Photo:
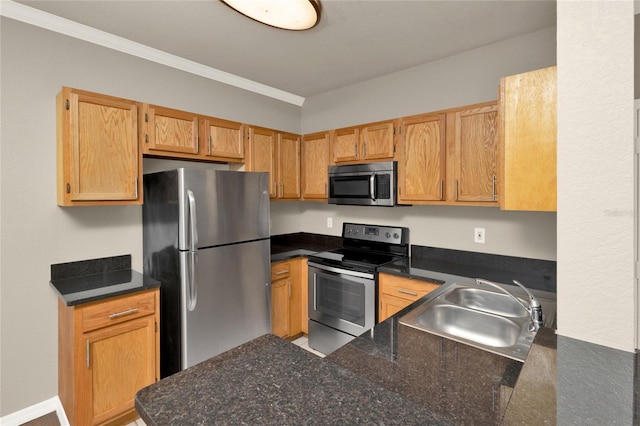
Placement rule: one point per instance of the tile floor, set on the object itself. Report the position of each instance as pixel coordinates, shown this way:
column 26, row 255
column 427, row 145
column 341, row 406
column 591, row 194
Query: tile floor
column 303, row 342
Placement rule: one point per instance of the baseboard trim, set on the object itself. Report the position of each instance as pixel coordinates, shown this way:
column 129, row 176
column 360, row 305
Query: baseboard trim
column 35, row 411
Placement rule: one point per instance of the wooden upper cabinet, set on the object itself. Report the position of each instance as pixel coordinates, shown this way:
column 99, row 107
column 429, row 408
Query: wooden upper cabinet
column 314, row 157
column 168, row 131
column 262, row 155
column 476, row 154
column 377, row 141
column 421, row 159
column 98, row 159
column 222, row 139
column 345, row 146
column 370, row 142
column 288, row 156
column 528, row 132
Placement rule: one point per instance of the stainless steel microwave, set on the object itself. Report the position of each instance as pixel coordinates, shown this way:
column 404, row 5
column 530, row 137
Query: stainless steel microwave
column 369, row 184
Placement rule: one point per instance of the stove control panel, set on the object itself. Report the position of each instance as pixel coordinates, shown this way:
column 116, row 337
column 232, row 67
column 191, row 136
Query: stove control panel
column 382, row 234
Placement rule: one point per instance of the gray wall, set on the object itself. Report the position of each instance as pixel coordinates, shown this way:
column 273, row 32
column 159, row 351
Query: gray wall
column 35, row 233
column 463, row 79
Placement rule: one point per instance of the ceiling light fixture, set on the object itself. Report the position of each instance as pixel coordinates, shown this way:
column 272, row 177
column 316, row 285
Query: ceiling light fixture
column 294, row 15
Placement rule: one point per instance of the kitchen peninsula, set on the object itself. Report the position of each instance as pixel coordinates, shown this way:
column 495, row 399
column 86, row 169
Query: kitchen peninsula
column 373, row 379
column 272, row 381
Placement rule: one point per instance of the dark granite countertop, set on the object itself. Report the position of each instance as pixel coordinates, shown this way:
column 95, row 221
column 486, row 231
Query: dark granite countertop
column 96, row 279
column 272, row 381
column 301, row 244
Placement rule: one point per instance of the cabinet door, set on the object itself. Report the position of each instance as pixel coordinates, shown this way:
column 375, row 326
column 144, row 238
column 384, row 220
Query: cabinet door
column 476, row 154
column 315, row 165
column 97, row 149
column 280, row 294
column 222, row 139
column 304, row 295
column 262, row 147
column 421, row 162
column 390, row 305
column 288, row 154
column 118, row 364
column 295, row 300
column 170, row 131
column 528, row 141
column 377, row 141
column 345, row 145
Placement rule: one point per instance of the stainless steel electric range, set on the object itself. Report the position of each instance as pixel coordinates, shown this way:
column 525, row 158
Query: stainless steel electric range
column 342, row 283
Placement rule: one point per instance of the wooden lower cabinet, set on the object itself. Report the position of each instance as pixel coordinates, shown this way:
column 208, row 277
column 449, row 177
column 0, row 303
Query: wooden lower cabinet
column 396, row 293
column 289, row 298
column 107, row 351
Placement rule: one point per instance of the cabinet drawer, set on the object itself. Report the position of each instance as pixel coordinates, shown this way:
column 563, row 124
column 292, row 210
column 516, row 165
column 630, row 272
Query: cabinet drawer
column 280, row 270
column 117, row 310
column 405, row 288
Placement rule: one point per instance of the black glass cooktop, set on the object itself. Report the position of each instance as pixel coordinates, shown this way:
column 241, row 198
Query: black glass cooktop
column 358, row 260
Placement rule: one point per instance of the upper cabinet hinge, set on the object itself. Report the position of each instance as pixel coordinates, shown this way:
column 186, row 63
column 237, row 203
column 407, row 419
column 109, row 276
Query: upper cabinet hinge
column 67, row 104
column 155, row 323
column 146, row 117
column 68, row 188
column 146, row 138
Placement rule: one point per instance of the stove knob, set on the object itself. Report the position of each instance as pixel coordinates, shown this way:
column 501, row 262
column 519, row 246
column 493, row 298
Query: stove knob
column 355, row 232
column 388, row 235
column 396, row 236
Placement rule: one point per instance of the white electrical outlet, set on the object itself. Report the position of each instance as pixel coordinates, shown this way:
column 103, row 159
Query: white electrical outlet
column 478, row 235
column 329, row 222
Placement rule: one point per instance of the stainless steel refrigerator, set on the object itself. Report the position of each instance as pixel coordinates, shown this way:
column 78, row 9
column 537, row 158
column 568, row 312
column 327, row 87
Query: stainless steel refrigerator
column 206, row 239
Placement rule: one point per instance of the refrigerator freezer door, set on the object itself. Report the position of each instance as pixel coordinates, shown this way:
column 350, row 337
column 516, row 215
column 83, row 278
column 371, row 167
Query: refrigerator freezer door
column 230, row 206
column 233, row 299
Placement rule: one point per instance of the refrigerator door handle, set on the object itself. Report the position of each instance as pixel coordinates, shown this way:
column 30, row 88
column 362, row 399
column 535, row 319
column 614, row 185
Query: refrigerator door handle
column 192, row 284
column 193, row 222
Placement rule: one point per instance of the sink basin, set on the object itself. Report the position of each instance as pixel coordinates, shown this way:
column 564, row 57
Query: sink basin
column 486, row 319
column 486, row 301
column 483, row 328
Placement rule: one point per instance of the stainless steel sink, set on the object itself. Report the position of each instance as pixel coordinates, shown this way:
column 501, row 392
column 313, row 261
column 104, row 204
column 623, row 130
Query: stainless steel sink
column 490, row 330
column 486, row 301
column 482, row 318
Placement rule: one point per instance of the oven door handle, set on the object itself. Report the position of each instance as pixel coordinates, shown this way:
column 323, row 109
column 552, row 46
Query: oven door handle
column 341, row 271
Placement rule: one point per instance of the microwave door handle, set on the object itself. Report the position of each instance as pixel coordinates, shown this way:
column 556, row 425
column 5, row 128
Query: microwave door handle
column 372, row 187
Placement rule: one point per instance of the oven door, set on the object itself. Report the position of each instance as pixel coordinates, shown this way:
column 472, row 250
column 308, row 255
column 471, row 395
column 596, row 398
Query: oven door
column 342, row 299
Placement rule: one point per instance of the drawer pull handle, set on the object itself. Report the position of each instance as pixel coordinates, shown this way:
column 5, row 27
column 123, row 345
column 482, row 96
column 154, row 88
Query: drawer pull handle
column 409, row 292
column 123, row 313
column 286, row 271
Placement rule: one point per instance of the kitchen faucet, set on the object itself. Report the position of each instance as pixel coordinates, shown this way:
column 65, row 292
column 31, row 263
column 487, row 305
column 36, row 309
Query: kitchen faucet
column 534, row 308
